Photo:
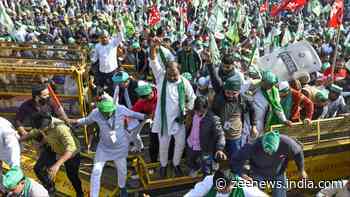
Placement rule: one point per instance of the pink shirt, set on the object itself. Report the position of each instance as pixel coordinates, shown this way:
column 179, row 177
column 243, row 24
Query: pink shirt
column 193, row 139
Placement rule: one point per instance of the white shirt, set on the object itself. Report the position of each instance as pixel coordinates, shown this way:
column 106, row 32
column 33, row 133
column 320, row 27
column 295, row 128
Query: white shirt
column 339, row 189
column 172, row 100
column 9, row 146
column 114, row 142
column 107, row 54
column 202, row 188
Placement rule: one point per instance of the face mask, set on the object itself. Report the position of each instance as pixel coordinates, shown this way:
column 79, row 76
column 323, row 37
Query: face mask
column 44, row 101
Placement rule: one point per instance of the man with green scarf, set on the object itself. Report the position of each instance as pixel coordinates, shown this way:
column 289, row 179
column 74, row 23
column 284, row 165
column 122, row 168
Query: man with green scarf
column 222, row 184
column 175, row 98
column 16, row 184
column 268, row 157
column 189, row 59
column 267, row 102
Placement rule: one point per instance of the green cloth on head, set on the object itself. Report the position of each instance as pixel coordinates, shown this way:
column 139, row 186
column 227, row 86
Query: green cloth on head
column 182, row 97
column 11, row 179
column 322, row 96
column 269, row 77
column 335, row 88
column 325, row 66
column 234, row 85
column 71, row 40
column 270, row 141
column 144, row 90
column 120, row 77
column 187, row 76
column 106, row 106
column 135, row 45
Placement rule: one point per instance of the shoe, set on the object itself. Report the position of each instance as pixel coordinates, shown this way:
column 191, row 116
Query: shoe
column 193, row 173
column 177, row 170
column 162, row 172
column 123, row 192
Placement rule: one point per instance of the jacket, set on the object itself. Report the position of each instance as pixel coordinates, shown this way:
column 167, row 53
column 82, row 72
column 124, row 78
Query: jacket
column 265, row 165
column 131, row 91
column 209, row 129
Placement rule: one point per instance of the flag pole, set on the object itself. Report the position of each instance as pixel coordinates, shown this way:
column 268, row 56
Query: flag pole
column 335, row 54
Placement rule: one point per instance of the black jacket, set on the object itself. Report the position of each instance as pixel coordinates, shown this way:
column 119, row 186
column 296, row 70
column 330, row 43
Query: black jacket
column 266, row 165
column 131, row 91
column 211, row 134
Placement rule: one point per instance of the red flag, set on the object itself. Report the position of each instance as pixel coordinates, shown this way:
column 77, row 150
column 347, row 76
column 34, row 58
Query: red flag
column 290, row 5
column 264, row 7
column 337, row 14
column 154, row 16
column 295, row 5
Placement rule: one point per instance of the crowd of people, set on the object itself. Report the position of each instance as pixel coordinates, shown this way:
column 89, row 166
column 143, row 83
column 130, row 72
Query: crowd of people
column 194, row 78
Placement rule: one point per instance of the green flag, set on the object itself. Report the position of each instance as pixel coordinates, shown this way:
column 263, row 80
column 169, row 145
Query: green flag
column 204, row 4
column 287, row 37
column 214, row 51
column 129, row 26
column 254, row 56
column 216, row 19
column 267, row 43
column 247, row 27
column 233, row 34
column 260, row 27
column 5, row 20
column 326, row 9
column 316, row 7
column 182, row 30
column 300, row 31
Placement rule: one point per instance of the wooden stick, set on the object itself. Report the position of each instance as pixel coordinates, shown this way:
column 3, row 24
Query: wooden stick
column 335, row 54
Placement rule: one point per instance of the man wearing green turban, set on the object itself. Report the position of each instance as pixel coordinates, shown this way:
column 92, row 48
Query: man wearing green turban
column 125, row 86
column 267, row 102
column 114, row 141
column 146, row 104
column 229, row 105
column 16, row 184
column 268, row 157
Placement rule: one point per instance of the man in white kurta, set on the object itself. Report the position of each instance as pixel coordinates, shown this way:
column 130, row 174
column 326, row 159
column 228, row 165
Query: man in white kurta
column 114, row 141
column 10, row 151
column 202, row 189
column 172, row 110
column 339, row 188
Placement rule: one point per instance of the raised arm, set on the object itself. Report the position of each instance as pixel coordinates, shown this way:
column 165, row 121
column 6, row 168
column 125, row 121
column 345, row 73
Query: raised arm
column 157, row 69
column 216, row 81
column 117, row 39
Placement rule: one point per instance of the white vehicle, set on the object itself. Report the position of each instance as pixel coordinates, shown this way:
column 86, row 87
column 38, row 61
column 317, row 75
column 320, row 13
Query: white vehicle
column 291, row 61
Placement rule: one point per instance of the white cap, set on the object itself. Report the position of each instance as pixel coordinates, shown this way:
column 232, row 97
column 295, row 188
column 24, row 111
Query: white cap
column 283, row 85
